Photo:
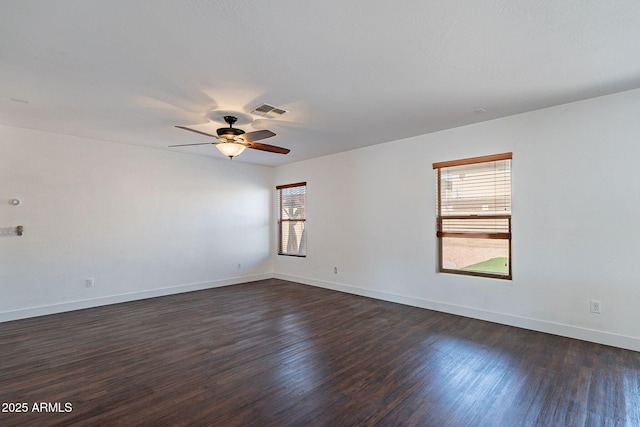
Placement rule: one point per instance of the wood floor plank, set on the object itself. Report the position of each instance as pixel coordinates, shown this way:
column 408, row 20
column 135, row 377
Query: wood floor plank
column 277, row 353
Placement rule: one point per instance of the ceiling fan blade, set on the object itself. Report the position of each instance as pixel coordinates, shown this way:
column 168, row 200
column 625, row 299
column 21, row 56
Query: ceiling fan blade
column 267, row 147
column 197, row 131
column 258, row 135
column 201, row 143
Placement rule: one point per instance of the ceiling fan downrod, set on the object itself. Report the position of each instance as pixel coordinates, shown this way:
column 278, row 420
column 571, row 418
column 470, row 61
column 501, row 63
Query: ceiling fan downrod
column 230, row 120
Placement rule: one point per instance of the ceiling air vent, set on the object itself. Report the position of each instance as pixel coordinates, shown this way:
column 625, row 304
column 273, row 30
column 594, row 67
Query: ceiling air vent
column 268, row 111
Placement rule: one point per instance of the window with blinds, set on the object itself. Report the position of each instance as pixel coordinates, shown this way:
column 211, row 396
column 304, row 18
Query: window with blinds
column 474, row 216
column 292, row 237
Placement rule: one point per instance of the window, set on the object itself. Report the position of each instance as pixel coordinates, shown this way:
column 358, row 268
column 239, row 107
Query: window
column 474, row 216
column 292, row 237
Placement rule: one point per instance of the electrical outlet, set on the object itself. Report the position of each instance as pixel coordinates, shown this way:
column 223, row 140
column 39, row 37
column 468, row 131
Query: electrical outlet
column 595, row 306
column 239, row 266
column 335, row 270
column 89, row 282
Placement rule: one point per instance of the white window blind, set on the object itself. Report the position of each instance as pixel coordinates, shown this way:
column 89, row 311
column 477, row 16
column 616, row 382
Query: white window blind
column 292, row 238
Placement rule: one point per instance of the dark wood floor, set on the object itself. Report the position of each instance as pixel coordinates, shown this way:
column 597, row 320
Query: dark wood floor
column 276, row 353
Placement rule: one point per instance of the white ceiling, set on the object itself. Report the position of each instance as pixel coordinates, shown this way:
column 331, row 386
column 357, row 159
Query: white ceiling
column 352, row 73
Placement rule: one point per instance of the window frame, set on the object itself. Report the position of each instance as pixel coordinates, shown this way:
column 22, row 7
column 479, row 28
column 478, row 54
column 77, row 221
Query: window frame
column 440, row 234
column 279, row 189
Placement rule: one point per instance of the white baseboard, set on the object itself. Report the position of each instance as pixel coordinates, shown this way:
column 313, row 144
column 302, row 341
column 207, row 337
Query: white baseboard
column 115, row 299
column 585, row 334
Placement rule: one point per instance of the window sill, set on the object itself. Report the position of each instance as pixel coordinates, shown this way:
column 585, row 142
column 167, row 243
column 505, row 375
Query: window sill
column 475, row 273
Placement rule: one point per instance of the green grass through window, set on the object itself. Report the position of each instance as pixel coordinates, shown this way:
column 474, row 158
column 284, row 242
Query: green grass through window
column 498, row 265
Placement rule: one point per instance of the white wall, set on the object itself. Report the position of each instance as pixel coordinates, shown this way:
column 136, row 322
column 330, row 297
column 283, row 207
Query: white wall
column 141, row 222
column 576, row 200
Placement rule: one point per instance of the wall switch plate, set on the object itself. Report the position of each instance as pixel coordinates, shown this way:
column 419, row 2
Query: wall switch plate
column 89, row 282
column 595, row 306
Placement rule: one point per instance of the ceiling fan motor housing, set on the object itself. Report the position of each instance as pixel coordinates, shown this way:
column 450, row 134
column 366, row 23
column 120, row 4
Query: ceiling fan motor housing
column 230, row 130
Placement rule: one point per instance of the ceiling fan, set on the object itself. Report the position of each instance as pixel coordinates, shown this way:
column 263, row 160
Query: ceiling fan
column 232, row 141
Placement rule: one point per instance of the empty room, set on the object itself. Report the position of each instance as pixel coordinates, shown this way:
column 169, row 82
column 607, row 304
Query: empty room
column 363, row 213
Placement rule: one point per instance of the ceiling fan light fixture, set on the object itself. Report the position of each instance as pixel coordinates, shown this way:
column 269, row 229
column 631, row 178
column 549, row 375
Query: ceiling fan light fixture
column 230, row 149
column 232, row 142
